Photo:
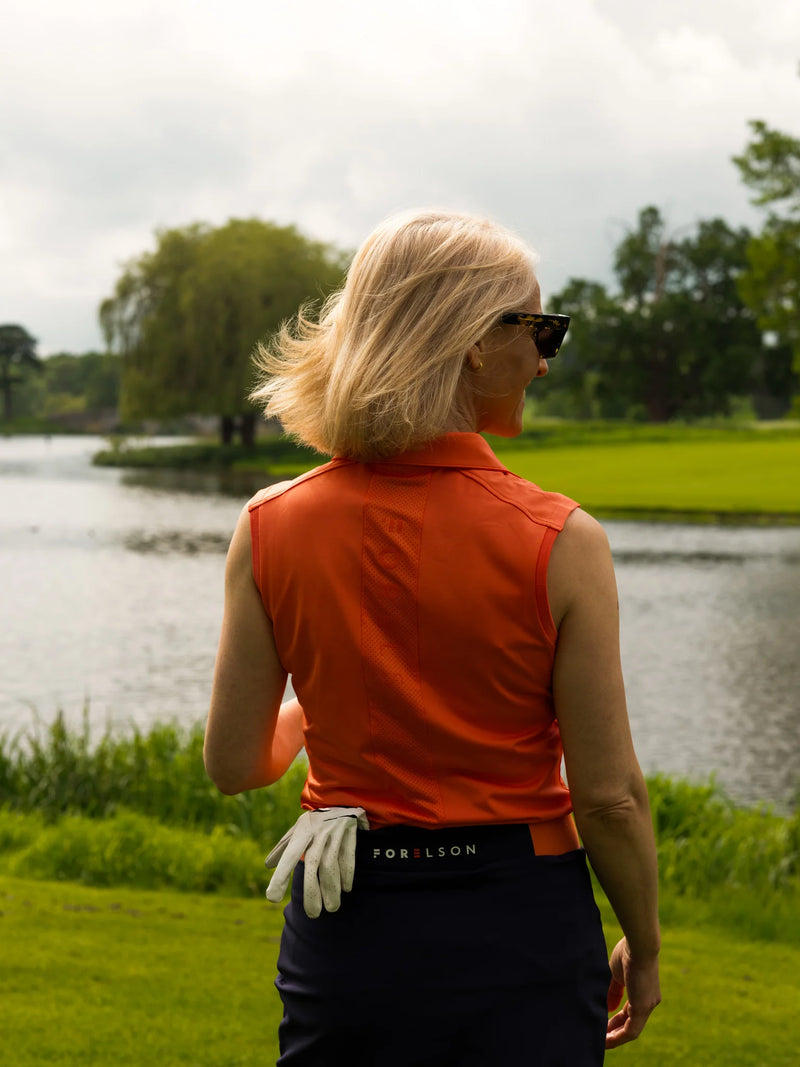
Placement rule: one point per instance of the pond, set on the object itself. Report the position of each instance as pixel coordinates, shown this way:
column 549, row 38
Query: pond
column 112, row 588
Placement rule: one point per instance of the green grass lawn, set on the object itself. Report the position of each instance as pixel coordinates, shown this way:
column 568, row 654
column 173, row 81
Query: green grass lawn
column 95, row 977
column 754, row 476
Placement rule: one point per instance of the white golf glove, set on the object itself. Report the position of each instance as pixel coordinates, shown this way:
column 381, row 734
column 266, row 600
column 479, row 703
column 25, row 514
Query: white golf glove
column 328, row 839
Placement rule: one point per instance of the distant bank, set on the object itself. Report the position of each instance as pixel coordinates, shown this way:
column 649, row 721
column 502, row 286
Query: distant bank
column 680, row 473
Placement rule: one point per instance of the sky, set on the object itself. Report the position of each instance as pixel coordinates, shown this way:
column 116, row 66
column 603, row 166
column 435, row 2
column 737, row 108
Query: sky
column 560, row 119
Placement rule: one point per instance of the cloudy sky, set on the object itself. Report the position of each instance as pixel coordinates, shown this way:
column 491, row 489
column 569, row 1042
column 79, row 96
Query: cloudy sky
column 560, row 118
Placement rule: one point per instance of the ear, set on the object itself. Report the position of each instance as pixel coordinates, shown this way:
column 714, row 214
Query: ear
column 474, row 357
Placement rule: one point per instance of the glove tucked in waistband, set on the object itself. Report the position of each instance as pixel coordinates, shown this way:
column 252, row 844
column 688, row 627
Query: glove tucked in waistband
column 327, row 836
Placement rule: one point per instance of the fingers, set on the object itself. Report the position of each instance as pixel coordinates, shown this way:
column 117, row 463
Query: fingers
column 616, row 991
column 625, row 1026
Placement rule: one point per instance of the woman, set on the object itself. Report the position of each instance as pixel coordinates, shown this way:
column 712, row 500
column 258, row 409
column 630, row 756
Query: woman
column 451, row 630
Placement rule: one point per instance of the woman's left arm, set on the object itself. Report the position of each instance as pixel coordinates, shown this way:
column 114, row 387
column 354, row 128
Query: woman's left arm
column 250, row 738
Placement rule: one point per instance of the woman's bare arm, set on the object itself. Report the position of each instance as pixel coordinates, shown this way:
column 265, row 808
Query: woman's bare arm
column 608, row 791
column 250, row 738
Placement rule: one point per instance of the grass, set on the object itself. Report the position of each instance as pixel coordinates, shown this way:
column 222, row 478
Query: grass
column 54, row 770
column 132, row 850
column 751, row 476
column 100, row 976
column 138, row 810
column 693, row 472
column 105, row 962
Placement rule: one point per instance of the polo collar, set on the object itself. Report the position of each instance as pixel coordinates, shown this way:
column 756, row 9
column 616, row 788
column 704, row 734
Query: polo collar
column 451, row 450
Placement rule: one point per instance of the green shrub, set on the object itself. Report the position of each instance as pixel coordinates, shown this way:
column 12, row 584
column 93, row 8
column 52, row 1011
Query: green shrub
column 134, row 850
column 17, row 831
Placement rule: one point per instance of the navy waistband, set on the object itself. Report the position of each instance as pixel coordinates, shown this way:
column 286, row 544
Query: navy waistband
column 448, row 848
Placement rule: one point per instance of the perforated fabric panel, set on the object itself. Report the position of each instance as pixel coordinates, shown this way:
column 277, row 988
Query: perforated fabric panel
column 391, row 551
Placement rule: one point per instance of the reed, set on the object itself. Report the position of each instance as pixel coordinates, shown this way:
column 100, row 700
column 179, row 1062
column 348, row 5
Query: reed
column 57, row 770
column 139, row 810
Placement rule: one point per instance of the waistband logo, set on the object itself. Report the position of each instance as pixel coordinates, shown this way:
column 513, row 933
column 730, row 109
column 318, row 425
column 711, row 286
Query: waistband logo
column 440, row 852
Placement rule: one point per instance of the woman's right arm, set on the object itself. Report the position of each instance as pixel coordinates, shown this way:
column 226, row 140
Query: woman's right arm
column 608, row 791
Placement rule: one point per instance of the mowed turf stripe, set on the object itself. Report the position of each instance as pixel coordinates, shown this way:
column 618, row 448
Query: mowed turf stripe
column 750, row 476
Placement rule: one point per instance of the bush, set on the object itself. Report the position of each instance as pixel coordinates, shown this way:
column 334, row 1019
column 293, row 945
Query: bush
column 134, row 850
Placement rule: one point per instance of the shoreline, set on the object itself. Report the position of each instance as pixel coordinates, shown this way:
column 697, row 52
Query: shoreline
column 737, row 477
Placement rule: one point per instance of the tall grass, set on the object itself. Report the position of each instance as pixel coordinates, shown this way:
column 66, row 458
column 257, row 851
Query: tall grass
column 719, row 864
column 705, row 840
column 56, row 770
column 139, row 810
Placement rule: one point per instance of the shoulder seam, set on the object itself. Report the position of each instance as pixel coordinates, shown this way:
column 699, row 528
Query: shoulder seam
column 541, row 520
column 307, row 476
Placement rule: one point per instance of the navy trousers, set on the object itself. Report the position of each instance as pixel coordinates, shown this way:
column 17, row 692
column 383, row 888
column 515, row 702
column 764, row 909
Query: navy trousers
column 455, row 948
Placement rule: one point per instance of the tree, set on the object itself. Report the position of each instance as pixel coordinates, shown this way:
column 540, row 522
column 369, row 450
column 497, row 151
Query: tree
column 770, row 166
column 86, row 382
column 589, row 349
column 187, row 316
column 677, row 340
column 17, row 356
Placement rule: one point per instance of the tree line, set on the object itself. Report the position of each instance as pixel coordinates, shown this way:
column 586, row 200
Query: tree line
column 697, row 324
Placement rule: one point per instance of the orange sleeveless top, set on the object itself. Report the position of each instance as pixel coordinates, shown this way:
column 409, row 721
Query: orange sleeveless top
column 409, row 604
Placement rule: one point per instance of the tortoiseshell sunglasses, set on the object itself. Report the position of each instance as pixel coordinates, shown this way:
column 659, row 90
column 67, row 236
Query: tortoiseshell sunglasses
column 547, row 331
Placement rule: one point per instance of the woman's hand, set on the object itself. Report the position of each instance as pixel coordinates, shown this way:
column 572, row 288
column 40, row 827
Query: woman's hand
column 640, row 979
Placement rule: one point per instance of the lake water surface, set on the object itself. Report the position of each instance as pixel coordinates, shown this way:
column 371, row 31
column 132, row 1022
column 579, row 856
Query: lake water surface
column 111, row 593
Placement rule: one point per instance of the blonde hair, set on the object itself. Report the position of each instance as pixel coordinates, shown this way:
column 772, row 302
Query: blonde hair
column 383, row 369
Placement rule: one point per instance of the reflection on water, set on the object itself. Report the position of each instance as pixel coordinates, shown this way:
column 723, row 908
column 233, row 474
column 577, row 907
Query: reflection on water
column 189, row 544
column 241, row 484
column 112, row 592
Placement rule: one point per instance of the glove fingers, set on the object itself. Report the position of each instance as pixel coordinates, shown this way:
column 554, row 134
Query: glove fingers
column 327, row 837
column 279, row 849
column 330, row 880
column 279, row 882
column 276, row 890
column 286, row 854
column 347, row 855
column 312, row 896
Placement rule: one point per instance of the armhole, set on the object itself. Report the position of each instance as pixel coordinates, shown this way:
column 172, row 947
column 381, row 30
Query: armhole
column 540, row 582
column 255, row 547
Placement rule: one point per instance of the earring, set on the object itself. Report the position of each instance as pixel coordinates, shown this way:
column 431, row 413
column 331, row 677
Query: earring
column 480, row 366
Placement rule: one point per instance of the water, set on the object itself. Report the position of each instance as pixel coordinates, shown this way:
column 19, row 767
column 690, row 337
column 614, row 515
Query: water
column 111, row 589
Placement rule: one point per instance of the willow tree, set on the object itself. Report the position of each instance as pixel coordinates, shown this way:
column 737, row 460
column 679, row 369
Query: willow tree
column 186, row 317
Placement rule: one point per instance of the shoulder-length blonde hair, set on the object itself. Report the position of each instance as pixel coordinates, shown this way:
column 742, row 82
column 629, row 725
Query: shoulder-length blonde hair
column 383, row 370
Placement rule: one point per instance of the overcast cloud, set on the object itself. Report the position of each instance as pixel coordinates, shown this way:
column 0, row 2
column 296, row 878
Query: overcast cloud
column 560, row 119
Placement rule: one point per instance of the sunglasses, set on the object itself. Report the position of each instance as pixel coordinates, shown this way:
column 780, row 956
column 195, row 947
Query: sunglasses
column 547, row 331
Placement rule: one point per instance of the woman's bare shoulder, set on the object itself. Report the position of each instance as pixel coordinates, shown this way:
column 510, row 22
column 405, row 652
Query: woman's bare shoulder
column 580, row 563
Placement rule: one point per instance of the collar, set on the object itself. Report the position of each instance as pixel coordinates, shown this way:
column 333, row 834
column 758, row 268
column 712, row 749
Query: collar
column 450, row 450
